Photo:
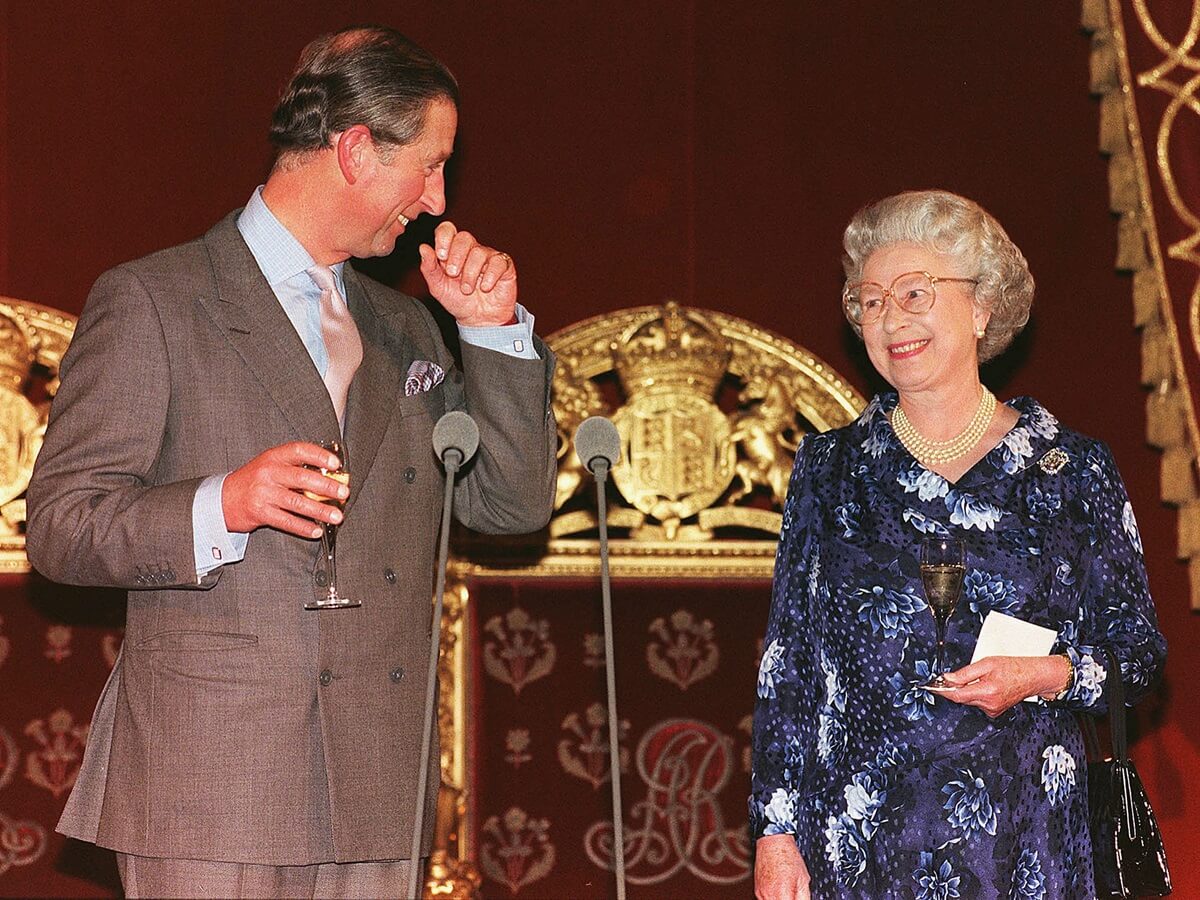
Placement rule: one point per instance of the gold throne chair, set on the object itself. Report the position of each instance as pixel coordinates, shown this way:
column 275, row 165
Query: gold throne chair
column 710, row 409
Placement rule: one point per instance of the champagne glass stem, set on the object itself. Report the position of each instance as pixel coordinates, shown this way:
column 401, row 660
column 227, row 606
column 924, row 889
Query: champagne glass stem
column 328, row 543
column 939, row 658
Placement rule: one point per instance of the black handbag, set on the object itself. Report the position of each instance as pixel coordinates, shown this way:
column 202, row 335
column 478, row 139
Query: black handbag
column 1127, row 849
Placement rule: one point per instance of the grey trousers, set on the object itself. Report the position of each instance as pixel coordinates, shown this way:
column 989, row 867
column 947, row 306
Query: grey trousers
column 148, row 876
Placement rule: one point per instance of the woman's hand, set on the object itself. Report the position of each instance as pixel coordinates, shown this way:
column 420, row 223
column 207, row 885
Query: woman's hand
column 779, row 869
column 998, row 683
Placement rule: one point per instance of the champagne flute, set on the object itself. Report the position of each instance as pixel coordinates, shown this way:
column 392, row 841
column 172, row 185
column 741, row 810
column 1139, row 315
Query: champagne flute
column 943, row 565
column 332, row 600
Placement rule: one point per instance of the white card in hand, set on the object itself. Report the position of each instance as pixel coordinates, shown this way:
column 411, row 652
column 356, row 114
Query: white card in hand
column 1003, row 635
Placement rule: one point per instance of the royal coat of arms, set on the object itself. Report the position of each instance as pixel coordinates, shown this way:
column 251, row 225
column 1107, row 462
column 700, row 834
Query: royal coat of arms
column 711, row 412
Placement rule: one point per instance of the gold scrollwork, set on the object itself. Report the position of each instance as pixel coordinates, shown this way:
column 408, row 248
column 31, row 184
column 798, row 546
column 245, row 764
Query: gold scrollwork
column 1170, row 408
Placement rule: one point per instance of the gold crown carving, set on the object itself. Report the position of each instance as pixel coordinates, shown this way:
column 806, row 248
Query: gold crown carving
column 677, row 349
column 18, row 347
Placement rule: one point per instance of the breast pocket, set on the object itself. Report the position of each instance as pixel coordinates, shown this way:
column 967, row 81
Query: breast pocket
column 430, row 403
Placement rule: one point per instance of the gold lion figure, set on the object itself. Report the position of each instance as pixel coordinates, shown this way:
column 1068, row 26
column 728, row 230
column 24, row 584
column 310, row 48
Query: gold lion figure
column 763, row 434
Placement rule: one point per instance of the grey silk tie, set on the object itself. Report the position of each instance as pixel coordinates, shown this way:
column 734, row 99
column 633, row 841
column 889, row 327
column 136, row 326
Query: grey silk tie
column 342, row 343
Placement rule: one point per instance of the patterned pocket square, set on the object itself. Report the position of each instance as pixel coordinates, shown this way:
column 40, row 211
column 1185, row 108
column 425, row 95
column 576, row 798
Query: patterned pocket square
column 422, row 375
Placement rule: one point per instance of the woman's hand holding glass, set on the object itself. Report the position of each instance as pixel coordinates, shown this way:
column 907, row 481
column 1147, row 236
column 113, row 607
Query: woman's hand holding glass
column 995, row 684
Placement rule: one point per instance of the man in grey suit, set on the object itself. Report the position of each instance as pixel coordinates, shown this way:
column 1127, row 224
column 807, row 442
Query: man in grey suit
column 245, row 745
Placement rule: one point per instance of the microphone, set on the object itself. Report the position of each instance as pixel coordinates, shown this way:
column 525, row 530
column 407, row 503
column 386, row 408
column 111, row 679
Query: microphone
column 455, row 440
column 598, row 446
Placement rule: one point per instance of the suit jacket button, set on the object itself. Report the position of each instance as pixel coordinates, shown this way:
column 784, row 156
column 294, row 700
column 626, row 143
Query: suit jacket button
column 410, row 474
column 389, row 575
column 325, row 677
column 396, row 674
column 322, row 579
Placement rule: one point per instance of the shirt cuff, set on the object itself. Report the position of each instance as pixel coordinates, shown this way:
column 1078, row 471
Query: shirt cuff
column 511, row 340
column 212, row 543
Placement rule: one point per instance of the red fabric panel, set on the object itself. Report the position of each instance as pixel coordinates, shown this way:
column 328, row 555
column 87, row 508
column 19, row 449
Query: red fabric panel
column 50, row 676
column 686, row 662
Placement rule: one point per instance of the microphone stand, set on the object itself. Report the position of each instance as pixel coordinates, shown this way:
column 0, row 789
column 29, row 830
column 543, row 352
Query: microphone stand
column 452, row 460
column 600, row 471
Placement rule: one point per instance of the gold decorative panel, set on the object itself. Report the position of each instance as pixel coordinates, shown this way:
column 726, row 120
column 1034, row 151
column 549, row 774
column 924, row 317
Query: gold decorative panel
column 1145, row 67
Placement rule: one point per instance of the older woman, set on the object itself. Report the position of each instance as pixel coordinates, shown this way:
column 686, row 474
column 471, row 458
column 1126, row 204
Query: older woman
column 867, row 782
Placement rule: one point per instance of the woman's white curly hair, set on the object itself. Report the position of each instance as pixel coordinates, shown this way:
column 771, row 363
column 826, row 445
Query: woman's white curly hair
column 962, row 229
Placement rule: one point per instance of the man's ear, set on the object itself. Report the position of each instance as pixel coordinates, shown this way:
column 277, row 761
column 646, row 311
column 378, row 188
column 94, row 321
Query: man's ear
column 355, row 151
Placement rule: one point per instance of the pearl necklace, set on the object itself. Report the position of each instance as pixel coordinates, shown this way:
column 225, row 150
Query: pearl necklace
column 929, row 452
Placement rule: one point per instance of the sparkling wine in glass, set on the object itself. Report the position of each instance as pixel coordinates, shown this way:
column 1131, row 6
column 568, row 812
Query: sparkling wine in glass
column 333, row 599
column 943, row 565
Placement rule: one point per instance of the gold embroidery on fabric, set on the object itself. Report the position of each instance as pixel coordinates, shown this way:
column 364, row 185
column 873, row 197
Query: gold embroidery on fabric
column 585, row 753
column 521, row 651
column 516, row 851
column 685, row 652
column 56, row 765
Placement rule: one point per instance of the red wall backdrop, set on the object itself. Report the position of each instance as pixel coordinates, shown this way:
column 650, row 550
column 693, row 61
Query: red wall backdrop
column 624, row 153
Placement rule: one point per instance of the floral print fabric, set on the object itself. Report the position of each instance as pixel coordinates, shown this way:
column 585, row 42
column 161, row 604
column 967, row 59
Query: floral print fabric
column 891, row 791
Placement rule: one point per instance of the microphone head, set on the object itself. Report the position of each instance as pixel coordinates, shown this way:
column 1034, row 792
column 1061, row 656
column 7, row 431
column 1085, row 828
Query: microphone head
column 597, row 438
column 456, row 431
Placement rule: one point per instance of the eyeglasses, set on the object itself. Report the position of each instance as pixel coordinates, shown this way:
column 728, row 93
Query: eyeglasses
column 863, row 301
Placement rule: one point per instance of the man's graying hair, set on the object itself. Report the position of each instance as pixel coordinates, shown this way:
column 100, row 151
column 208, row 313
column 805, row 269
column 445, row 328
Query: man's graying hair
column 368, row 76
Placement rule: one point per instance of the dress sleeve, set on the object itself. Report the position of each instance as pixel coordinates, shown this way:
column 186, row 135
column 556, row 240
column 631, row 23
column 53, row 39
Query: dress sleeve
column 1117, row 613
column 783, row 737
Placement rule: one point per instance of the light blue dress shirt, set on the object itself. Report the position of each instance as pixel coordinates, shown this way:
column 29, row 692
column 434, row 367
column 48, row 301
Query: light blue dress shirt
column 284, row 263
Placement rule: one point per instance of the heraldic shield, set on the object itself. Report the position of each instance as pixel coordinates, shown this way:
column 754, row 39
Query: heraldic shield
column 710, row 409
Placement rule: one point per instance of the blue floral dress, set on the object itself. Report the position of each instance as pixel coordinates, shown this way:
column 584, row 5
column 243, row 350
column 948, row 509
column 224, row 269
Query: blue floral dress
column 890, row 791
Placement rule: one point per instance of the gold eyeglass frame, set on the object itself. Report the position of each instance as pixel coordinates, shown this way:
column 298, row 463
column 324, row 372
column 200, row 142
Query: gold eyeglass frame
column 891, row 291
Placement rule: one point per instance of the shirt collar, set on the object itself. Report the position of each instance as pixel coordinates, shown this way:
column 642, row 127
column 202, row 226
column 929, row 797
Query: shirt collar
column 279, row 255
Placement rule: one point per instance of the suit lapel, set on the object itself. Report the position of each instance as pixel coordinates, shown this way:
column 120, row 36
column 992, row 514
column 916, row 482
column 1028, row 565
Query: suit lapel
column 379, row 381
column 247, row 310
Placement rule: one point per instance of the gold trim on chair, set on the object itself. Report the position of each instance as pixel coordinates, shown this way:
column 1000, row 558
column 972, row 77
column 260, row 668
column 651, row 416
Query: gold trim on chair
column 1171, row 423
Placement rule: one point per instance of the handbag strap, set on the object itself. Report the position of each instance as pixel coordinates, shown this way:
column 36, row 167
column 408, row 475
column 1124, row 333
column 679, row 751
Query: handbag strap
column 1114, row 692
column 1091, row 738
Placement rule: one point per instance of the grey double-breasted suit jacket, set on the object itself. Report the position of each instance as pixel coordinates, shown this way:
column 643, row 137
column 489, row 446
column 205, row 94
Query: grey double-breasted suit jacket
column 237, row 725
